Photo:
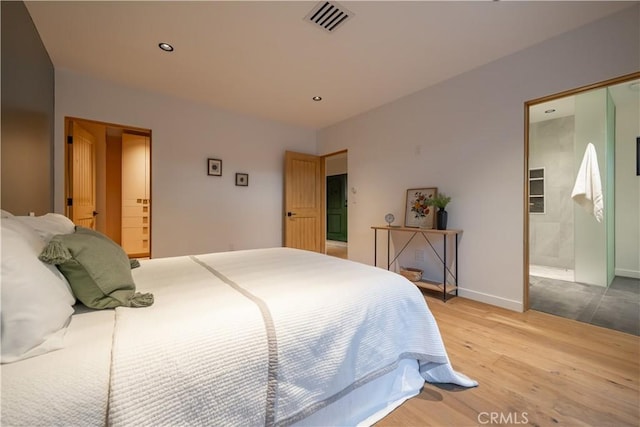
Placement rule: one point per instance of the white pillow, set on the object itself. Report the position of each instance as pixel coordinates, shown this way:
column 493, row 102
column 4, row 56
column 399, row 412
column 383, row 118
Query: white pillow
column 36, row 298
column 48, row 225
column 5, row 214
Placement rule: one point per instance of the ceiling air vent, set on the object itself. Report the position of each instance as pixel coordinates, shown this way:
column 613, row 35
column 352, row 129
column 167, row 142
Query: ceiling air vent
column 328, row 15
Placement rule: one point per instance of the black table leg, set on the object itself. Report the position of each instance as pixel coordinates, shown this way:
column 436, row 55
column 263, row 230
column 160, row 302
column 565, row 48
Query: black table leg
column 444, row 281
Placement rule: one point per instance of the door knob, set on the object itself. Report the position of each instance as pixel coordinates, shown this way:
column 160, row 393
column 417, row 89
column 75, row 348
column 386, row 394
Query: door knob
column 290, row 213
column 95, row 213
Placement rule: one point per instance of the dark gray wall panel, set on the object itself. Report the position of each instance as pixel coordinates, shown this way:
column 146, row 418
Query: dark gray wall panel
column 27, row 115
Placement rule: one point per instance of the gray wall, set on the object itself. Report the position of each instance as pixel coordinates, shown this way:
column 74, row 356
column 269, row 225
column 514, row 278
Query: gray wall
column 27, row 115
column 551, row 234
column 627, row 234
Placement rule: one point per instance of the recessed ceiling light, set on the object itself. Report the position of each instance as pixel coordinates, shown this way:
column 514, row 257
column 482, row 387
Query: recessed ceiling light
column 317, row 98
column 166, row 47
column 550, row 110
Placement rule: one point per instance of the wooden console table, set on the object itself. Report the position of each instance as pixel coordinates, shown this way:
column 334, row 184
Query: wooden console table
column 446, row 272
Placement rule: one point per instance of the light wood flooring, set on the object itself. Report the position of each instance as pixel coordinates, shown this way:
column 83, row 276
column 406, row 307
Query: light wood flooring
column 337, row 249
column 533, row 368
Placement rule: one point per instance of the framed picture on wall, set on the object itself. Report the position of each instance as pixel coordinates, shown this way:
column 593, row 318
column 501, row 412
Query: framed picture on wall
column 417, row 212
column 214, row 167
column 242, row 179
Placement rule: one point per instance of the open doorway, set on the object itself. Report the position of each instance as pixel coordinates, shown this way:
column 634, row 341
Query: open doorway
column 582, row 263
column 114, row 197
column 336, row 184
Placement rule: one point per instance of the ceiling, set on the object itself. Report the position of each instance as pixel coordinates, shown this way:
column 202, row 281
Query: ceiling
column 262, row 58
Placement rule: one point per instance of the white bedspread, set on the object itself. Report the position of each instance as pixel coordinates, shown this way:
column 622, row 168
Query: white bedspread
column 263, row 337
column 67, row 387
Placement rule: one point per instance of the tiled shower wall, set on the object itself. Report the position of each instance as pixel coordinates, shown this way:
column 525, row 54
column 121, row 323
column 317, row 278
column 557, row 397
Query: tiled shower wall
column 551, row 145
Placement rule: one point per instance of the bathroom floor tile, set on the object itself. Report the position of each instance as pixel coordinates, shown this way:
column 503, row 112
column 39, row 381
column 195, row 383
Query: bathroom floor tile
column 619, row 314
column 624, row 286
column 616, row 307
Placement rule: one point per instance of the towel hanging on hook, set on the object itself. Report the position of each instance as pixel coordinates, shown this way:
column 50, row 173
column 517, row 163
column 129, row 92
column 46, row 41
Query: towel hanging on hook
column 587, row 191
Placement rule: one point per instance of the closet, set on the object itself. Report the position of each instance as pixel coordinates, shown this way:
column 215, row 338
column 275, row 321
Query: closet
column 136, row 195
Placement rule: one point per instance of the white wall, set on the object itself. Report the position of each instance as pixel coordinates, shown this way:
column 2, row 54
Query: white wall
column 192, row 212
column 627, row 219
column 336, row 165
column 466, row 137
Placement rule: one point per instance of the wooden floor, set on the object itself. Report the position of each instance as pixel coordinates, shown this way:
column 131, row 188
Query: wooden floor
column 533, row 369
column 338, row 251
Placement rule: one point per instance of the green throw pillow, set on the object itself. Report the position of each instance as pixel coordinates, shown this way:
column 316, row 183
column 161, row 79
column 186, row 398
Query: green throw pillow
column 97, row 268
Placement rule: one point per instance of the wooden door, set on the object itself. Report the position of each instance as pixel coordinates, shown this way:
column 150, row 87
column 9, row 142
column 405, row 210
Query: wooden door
column 303, row 188
column 337, row 207
column 81, row 191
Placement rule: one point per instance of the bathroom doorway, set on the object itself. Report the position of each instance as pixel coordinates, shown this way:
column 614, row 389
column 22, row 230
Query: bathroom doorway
column 582, row 200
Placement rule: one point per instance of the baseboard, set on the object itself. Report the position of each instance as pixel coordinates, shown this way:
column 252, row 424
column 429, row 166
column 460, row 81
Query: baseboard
column 491, row 299
column 627, row 273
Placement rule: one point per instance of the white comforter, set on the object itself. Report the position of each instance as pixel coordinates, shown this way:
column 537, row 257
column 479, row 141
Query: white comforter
column 263, row 337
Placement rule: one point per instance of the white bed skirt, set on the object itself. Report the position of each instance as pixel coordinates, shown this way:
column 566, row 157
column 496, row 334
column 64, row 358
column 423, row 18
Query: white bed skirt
column 370, row 403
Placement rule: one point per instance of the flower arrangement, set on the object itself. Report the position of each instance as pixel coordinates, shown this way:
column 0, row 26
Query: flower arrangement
column 421, row 204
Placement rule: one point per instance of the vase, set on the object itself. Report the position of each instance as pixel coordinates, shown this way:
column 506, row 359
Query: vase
column 441, row 219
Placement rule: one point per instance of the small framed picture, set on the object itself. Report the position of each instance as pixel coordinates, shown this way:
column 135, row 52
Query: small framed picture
column 214, row 167
column 418, row 212
column 242, row 179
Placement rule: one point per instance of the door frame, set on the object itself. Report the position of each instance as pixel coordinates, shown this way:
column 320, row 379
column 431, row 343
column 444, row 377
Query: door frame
column 527, row 105
column 324, row 158
column 100, row 192
column 321, row 188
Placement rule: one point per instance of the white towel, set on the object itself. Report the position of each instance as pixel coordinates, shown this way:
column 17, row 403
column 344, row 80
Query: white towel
column 587, row 191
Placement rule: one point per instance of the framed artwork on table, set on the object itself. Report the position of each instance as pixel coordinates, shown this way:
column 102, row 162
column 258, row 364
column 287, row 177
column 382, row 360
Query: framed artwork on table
column 418, row 213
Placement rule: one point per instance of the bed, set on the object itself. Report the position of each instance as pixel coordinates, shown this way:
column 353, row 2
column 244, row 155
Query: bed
column 272, row 336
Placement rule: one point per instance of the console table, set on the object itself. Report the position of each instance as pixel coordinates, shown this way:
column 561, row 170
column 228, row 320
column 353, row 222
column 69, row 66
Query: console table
column 425, row 233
